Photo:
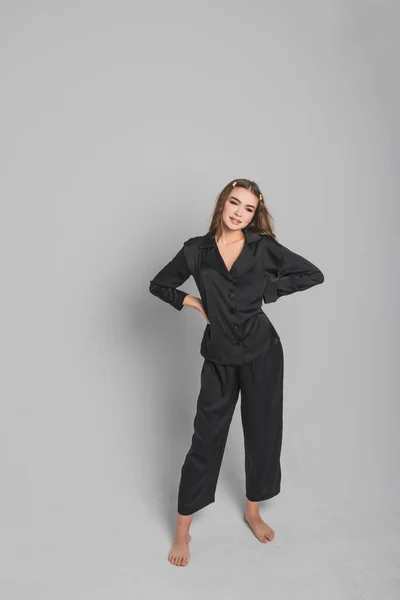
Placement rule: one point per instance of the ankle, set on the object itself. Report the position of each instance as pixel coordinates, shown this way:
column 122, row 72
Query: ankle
column 252, row 508
column 182, row 536
column 182, row 530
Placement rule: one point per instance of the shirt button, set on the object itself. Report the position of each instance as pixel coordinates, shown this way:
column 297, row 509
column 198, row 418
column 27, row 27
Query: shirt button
column 231, row 295
column 238, row 343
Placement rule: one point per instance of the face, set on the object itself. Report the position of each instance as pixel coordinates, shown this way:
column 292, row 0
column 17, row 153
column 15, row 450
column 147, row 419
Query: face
column 239, row 208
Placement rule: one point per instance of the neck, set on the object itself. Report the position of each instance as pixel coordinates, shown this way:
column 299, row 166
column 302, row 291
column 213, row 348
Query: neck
column 229, row 236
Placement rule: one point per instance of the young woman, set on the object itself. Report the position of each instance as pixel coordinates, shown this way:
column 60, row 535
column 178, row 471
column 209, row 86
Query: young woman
column 236, row 264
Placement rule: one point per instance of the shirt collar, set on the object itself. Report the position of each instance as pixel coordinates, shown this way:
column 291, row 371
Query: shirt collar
column 208, row 239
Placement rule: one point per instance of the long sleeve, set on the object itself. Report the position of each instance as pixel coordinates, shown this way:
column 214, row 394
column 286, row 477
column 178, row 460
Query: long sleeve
column 295, row 274
column 164, row 285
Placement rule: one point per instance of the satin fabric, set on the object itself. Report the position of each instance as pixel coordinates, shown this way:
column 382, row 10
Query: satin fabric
column 260, row 385
column 239, row 331
column 242, row 355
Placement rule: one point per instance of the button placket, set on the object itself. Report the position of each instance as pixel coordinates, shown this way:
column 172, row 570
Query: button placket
column 233, row 310
column 237, row 333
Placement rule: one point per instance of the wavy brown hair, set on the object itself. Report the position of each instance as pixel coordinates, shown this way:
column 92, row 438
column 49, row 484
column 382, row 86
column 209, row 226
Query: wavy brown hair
column 262, row 221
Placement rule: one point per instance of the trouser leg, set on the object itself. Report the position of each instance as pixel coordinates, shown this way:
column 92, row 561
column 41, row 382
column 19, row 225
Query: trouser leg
column 216, row 403
column 261, row 383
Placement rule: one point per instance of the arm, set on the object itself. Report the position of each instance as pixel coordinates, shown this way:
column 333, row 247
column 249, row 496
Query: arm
column 165, row 283
column 295, row 274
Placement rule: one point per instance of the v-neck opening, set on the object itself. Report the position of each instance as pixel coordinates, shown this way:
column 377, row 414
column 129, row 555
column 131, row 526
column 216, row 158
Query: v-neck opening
column 229, row 271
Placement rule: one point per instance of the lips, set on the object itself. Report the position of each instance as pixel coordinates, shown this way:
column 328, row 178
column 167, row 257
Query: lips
column 234, row 221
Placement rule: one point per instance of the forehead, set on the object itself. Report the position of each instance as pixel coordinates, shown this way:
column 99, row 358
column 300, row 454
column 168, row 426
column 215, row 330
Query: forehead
column 243, row 196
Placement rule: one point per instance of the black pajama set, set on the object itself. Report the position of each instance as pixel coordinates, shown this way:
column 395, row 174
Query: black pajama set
column 242, row 352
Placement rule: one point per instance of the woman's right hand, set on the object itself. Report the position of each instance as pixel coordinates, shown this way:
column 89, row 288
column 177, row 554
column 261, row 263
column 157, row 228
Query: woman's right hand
column 197, row 304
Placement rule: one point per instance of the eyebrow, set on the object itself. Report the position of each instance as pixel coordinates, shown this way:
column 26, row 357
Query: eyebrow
column 251, row 205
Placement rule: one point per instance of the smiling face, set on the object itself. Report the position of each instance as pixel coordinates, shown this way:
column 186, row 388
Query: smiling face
column 239, row 208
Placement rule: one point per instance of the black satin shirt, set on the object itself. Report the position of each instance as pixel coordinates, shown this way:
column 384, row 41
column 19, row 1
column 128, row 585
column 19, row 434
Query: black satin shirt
column 239, row 330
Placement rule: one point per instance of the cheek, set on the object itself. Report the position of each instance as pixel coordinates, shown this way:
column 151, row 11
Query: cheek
column 247, row 217
column 227, row 209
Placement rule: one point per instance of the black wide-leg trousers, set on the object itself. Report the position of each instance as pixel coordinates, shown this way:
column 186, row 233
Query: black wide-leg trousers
column 261, row 388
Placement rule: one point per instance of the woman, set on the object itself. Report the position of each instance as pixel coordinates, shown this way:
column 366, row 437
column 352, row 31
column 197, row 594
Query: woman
column 236, row 264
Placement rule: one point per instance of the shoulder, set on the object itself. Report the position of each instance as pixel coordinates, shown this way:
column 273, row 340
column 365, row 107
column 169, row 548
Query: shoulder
column 271, row 247
column 193, row 242
column 268, row 241
column 191, row 251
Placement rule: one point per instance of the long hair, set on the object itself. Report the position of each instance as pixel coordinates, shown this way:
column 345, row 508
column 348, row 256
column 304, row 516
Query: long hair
column 262, row 221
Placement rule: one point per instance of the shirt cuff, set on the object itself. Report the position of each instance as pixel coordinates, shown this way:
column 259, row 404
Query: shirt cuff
column 271, row 290
column 178, row 300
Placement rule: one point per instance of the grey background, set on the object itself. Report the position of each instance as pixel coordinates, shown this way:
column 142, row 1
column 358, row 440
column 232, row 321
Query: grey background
column 120, row 123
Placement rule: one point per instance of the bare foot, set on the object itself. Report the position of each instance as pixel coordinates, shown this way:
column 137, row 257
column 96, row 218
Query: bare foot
column 261, row 530
column 179, row 554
